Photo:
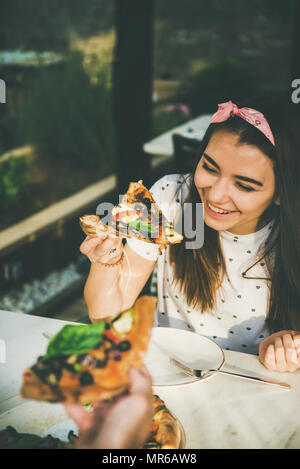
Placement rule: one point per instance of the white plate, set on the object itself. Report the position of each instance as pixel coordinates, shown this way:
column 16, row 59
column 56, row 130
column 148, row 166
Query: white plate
column 38, row 418
column 193, row 350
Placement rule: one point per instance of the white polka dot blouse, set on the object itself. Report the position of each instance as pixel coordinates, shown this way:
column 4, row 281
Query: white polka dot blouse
column 238, row 322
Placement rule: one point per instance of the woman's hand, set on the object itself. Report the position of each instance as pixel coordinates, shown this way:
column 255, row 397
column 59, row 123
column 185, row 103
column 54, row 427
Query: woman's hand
column 281, row 351
column 107, row 249
column 122, row 424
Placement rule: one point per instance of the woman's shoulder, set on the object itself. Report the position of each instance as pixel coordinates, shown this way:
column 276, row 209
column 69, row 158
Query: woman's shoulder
column 171, row 186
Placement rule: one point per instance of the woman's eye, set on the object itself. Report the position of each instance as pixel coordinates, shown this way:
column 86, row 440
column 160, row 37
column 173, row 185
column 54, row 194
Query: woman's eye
column 239, row 185
column 208, row 168
column 245, row 188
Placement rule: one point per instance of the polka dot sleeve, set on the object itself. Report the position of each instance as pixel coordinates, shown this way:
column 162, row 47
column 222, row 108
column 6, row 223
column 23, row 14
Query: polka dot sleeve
column 163, row 192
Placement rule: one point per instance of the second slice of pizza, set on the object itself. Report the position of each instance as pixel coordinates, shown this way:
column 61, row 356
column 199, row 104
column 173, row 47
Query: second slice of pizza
column 136, row 216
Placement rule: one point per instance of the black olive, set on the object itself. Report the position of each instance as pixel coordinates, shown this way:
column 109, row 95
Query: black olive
column 56, row 364
column 68, row 366
column 101, row 363
column 124, row 346
column 86, row 378
column 58, row 373
column 42, row 374
column 114, row 355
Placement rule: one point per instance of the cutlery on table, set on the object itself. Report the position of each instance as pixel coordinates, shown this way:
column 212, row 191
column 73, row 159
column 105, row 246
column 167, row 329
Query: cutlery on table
column 202, row 373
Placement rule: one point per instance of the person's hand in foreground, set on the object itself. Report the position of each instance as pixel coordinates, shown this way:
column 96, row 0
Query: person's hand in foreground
column 281, row 351
column 122, row 424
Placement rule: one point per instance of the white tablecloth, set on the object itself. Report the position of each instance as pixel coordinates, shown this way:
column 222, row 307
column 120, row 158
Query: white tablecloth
column 219, row 412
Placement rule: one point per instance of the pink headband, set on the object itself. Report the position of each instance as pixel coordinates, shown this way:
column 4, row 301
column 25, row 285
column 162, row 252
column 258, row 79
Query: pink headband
column 252, row 116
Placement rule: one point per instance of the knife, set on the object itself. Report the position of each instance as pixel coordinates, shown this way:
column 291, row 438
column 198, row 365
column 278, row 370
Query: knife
column 202, row 373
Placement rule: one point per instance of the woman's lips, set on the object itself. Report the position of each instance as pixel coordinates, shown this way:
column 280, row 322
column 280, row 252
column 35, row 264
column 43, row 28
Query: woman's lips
column 210, row 209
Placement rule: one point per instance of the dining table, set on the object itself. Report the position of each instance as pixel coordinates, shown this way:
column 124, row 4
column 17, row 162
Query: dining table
column 162, row 145
column 220, row 412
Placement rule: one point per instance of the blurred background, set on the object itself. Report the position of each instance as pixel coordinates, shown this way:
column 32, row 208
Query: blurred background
column 87, row 85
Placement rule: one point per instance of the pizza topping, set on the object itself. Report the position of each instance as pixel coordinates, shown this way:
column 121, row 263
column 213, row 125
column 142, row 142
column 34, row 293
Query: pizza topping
column 159, row 411
column 152, row 444
column 125, row 214
column 89, row 361
column 52, row 379
column 77, row 367
column 124, row 346
column 123, row 323
column 115, row 355
column 75, row 339
column 86, row 378
column 112, row 336
column 143, row 227
column 71, row 360
column 101, row 363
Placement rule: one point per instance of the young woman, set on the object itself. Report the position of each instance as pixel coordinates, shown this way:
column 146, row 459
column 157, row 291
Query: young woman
column 242, row 287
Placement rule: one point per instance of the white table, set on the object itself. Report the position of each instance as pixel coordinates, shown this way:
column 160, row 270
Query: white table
column 163, row 145
column 219, row 412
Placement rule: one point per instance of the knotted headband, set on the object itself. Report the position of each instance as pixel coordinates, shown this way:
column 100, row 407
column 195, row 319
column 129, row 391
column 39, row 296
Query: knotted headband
column 252, row 116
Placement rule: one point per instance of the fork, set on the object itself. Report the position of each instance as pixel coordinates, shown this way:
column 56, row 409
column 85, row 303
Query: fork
column 202, row 373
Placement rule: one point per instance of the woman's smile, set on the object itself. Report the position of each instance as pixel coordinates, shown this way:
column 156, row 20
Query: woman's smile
column 236, row 183
column 218, row 212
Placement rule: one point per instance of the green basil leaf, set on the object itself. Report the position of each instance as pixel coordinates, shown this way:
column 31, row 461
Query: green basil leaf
column 75, row 339
column 143, row 226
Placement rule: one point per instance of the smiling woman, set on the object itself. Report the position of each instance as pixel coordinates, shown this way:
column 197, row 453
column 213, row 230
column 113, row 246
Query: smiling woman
column 247, row 185
column 243, row 284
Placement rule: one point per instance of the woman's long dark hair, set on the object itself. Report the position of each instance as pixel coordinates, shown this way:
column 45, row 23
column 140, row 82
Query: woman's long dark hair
column 200, row 272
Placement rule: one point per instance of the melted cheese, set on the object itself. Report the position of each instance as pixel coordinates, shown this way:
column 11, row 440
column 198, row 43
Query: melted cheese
column 124, row 324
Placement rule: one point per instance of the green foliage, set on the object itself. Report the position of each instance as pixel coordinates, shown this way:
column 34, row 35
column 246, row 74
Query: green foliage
column 13, row 181
column 67, row 113
column 45, row 24
column 220, row 81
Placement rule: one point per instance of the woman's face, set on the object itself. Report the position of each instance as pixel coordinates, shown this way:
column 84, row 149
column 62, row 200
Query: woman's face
column 236, row 183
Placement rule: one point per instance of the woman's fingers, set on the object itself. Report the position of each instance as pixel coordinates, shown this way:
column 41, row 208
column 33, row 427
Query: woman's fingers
column 296, row 340
column 89, row 244
column 280, row 358
column 290, row 351
column 99, row 249
column 140, row 381
column 281, row 353
column 80, row 415
column 269, row 358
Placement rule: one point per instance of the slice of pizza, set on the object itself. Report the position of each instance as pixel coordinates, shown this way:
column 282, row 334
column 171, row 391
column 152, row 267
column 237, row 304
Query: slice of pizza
column 165, row 432
column 90, row 362
column 136, row 216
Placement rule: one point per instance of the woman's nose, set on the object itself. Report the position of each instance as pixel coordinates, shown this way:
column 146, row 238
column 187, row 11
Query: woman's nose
column 219, row 191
